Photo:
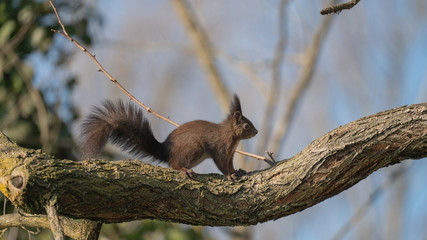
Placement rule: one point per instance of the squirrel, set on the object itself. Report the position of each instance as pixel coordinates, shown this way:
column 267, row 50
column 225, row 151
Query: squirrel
column 185, row 147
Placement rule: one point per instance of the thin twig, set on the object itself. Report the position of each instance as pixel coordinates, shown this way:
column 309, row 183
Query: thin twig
column 338, row 8
column 57, row 16
column 4, row 204
column 114, row 80
column 102, row 69
column 31, row 232
column 265, row 159
column 3, row 231
column 270, row 161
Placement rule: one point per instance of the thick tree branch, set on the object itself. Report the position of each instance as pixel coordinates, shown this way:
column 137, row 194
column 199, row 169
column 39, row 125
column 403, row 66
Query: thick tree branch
column 131, row 190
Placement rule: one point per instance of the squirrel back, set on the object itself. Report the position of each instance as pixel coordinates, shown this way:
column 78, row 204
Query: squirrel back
column 184, row 148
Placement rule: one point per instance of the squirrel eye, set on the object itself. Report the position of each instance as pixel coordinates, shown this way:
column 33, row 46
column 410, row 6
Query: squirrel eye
column 246, row 126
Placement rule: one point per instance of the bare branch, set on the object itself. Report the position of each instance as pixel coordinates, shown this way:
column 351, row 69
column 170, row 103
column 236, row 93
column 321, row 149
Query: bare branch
column 338, row 8
column 103, row 70
column 57, row 16
column 73, row 228
column 276, row 68
column 245, row 68
column 55, row 225
column 203, row 50
column 359, row 213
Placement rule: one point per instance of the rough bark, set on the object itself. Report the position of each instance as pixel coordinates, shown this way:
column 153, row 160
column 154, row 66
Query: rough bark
column 130, row 190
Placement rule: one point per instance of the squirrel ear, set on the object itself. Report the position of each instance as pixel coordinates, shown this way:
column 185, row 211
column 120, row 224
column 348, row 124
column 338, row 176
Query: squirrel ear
column 235, row 105
column 237, row 116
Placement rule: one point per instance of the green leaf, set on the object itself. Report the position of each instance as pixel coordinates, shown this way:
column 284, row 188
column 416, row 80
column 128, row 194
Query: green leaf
column 37, row 36
column 17, row 83
column 6, row 31
column 25, row 15
column 3, row 12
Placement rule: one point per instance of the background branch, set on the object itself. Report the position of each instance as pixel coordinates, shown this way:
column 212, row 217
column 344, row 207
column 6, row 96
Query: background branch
column 394, row 176
column 276, row 69
column 55, row 225
column 203, row 50
column 245, row 68
column 73, row 228
column 338, row 8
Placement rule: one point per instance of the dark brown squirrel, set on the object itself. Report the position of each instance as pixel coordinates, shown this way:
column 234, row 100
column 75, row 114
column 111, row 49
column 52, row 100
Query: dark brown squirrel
column 184, row 148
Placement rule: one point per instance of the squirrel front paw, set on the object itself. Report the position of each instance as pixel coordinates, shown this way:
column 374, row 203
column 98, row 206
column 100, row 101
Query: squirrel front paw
column 241, row 172
column 188, row 172
column 236, row 174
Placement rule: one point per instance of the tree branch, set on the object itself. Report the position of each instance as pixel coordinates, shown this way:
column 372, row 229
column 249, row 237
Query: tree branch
column 55, row 225
column 130, row 190
column 73, row 228
column 338, row 8
column 203, row 50
column 276, row 78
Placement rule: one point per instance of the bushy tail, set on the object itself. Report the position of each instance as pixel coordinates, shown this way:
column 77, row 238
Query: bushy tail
column 120, row 124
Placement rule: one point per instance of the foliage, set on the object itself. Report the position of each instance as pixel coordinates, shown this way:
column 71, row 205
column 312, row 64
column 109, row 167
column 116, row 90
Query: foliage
column 29, row 110
column 30, row 99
